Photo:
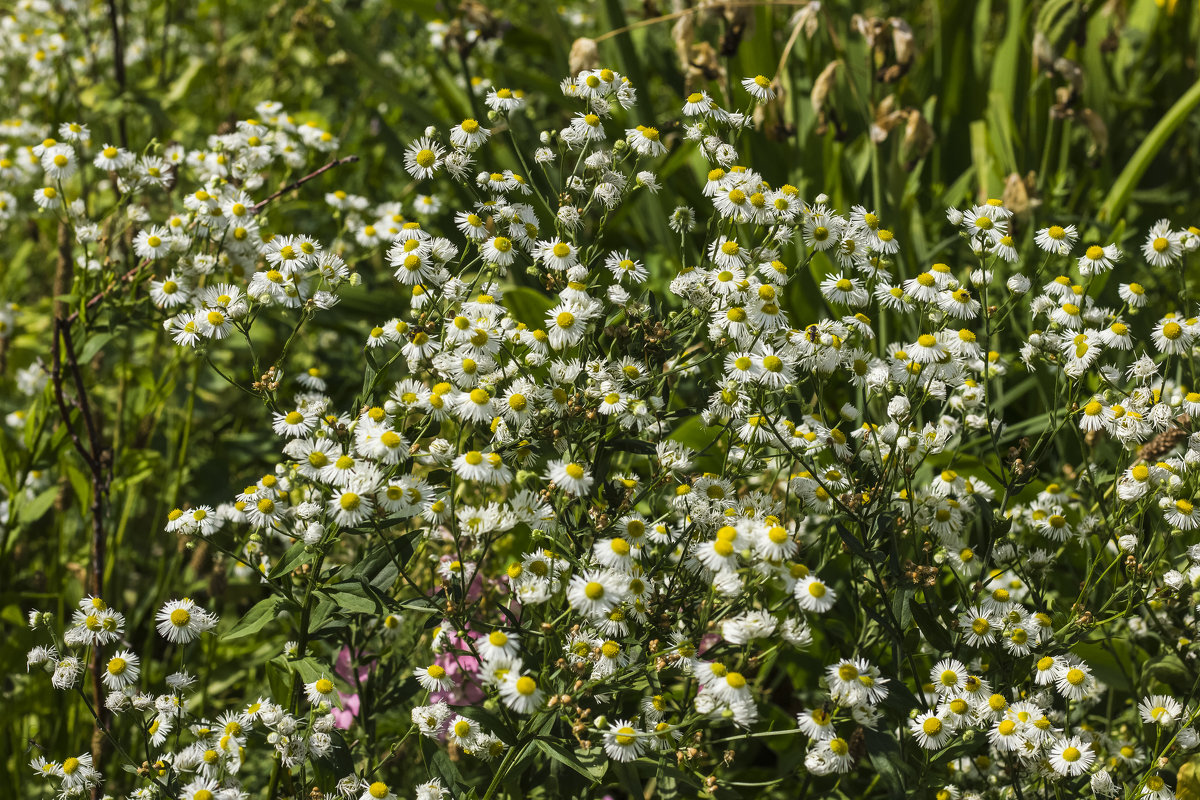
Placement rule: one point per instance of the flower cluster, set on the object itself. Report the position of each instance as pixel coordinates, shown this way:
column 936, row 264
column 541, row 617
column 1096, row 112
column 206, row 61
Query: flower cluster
column 590, row 499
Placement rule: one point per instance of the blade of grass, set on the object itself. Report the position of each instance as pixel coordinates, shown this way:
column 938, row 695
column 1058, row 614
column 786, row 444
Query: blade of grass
column 1127, row 181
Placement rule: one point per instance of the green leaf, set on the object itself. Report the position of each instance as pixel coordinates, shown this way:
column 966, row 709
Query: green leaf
column 1128, row 180
column 628, row 777
column 296, row 555
column 338, row 763
column 255, row 619
column 902, row 607
column 182, row 85
column 885, row 758
column 852, row 542
column 80, row 482
column 32, row 510
column 322, row 613
column 7, row 479
column 422, row 605
column 565, row 757
column 34, row 420
column 694, row 433
column 278, row 677
column 309, row 669
column 355, row 604
column 94, row 345
column 528, row 306
column 1168, row 669
column 447, row 770
column 934, row 632
column 594, row 760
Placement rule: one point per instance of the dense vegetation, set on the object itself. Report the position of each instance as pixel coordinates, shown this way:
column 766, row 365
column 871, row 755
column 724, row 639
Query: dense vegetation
column 518, row 399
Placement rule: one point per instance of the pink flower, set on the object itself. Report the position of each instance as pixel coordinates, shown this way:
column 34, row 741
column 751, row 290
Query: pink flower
column 344, row 669
column 462, row 670
column 344, row 717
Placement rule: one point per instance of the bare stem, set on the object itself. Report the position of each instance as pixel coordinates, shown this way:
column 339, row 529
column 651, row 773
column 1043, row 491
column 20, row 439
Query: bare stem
column 257, row 207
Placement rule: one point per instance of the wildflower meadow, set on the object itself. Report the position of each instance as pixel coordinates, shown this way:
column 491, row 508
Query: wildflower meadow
column 481, row 399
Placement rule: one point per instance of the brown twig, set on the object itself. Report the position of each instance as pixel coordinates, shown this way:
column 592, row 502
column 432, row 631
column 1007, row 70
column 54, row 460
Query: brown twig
column 96, row 298
column 92, row 455
column 298, row 183
column 62, row 285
